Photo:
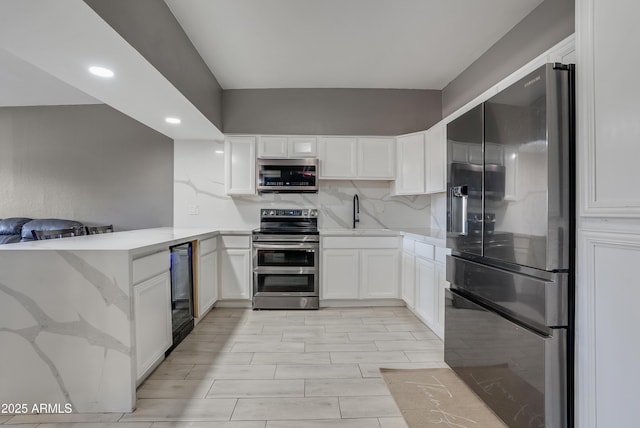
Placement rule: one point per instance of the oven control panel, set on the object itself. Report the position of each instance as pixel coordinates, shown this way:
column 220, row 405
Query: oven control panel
column 289, row 213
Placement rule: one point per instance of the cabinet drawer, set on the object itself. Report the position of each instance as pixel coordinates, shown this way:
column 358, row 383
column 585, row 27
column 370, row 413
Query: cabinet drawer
column 231, row 241
column 408, row 245
column 208, row 245
column 365, row 242
column 149, row 266
column 441, row 254
column 424, row 250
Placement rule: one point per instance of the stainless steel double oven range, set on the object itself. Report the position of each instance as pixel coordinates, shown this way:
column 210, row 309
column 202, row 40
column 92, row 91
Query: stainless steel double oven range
column 286, row 259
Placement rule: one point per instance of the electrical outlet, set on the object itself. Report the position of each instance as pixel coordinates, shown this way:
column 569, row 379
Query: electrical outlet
column 193, row 209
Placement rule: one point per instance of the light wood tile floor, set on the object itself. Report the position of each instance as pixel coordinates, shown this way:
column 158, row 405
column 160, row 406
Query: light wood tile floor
column 275, row 369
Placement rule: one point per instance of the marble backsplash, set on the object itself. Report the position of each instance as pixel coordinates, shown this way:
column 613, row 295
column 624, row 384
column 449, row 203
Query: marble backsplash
column 200, row 200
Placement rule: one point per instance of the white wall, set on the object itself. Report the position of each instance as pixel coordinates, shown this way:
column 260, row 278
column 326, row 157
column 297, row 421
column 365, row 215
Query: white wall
column 199, row 187
column 607, row 285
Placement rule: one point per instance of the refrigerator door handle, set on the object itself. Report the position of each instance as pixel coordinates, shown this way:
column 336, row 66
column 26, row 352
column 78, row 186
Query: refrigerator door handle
column 462, row 194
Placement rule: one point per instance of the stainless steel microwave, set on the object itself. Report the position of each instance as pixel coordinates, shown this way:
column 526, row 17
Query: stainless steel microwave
column 287, row 175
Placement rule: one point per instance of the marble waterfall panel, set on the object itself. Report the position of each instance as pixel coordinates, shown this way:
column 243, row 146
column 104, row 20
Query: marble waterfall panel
column 199, row 188
column 66, row 341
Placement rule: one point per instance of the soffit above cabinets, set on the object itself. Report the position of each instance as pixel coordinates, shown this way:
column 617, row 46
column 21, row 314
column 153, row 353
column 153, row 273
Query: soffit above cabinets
column 399, row 44
column 64, row 38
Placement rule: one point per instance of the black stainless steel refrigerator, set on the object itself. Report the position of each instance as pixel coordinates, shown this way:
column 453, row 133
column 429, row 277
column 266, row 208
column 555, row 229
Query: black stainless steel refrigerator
column 510, row 227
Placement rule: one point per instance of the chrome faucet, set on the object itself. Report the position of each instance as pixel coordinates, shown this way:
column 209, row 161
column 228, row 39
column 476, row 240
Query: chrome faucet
column 356, row 210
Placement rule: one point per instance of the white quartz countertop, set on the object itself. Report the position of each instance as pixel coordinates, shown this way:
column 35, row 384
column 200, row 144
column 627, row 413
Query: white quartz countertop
column 358, row 232
column 125, row 240
column 434, row 236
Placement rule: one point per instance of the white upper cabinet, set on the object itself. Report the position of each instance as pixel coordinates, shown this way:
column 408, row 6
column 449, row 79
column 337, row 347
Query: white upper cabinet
column 272, row 147
column 302, row 147
column 283, row 147
column 376, row 158
column 338, row 157
column 357, row 158
column 410, row 172
column 240, row 165
column 436, row 159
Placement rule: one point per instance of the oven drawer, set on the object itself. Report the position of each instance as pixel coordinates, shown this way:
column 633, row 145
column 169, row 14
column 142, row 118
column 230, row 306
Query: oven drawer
column 285, row 284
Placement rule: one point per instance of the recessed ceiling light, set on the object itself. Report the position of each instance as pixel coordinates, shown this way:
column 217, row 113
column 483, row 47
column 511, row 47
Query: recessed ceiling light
column 219, row 152
column 172, row 120
column 101, row 71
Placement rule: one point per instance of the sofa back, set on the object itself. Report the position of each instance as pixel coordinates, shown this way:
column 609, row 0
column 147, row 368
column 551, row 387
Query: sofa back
column 17, row 229
column 11, row 229
column 50, row 224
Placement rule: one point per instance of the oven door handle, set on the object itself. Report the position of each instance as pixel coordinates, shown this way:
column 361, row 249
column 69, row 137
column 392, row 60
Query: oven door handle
column 287, row 246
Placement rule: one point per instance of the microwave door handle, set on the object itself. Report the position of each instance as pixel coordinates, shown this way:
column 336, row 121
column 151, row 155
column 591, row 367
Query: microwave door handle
column 462, row 193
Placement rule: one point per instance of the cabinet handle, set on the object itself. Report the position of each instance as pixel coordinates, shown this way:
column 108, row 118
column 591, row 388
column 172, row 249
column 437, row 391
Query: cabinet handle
column 462, row 193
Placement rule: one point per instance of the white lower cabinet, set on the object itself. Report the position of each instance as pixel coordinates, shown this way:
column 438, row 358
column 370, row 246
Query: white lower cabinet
column 426, row 290
column 409, row 279
column 152, row 311
column 424, row 281
column 340, row 274
column 379, row 274
column 235, row 267
column 235, row 274
column 207, row 281
column 360, row 268
column 441, row 285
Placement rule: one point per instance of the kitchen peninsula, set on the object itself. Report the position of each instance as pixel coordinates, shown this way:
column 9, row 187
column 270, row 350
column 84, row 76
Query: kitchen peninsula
column 86, row 319
column 80, row 316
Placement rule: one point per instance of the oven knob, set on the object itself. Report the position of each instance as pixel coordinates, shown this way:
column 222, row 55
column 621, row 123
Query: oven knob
column 313, row 213
column 305, row 213
column 272, row 212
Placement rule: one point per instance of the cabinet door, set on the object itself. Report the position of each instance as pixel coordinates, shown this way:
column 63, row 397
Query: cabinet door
column 338, row 157
column 376, row 158
column 303, row 147
column 152, row 312
column 207, row 281
column 410, row 171
column 340, row 276
column 272, row 147
column 235, row 274
column 379, row 274
column 441, row 285
column 409, row 279
column 425, row 290
column 240, row 165
column 436, row 159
